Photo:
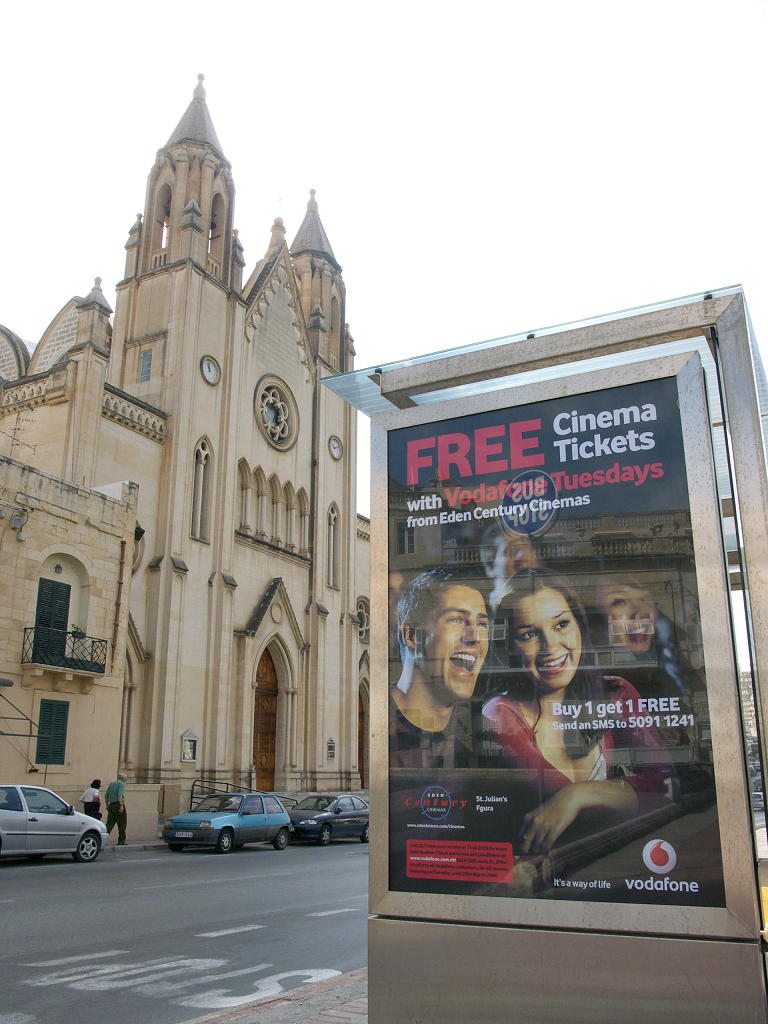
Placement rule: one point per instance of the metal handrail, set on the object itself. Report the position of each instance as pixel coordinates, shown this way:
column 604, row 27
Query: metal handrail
column 64, row 649
column 216, row 786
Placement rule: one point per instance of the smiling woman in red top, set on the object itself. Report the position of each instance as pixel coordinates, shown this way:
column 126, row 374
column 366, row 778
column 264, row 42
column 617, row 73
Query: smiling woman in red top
column 548, row 721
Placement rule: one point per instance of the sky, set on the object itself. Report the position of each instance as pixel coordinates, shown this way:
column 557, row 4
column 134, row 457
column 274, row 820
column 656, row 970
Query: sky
column 481, row 169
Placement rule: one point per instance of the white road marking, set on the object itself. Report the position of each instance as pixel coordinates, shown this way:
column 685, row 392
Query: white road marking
column 328, row 913
column 217, row 1000
column 230, row 931
column 75, row 959
column 114, row 976
column 166, row 989
column 164, row 978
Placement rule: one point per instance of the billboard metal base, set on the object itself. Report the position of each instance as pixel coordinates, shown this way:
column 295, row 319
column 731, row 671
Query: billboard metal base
column 437, row 973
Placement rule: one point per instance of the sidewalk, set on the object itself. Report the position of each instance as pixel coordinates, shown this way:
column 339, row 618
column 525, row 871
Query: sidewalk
column 341, row 1000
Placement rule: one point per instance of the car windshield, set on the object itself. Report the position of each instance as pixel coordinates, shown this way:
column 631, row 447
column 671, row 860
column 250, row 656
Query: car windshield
column 216, row 802
column 314, row 803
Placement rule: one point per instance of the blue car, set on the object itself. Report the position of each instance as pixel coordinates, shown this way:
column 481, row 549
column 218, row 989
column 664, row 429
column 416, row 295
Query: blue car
column 228, row 820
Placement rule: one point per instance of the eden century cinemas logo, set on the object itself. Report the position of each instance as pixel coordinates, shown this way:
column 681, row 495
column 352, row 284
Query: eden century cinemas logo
column 435, row 803
column 660, row 857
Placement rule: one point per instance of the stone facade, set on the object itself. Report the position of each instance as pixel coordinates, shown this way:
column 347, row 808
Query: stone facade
column 244, row 656
column 81, row 542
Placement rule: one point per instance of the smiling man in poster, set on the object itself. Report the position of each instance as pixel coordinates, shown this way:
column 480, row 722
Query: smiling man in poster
column 443, row 629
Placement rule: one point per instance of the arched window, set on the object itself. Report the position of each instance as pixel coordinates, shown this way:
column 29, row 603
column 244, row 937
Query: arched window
column 289, row 515
column 161, row 223
column 244, row 496
column 333, row 546
column 201, row 490
column 260, row 483
column 63, row 598
column 334, row 340
column 303, row 504
column 127, row 712
column 216, row 236
column 276, row 494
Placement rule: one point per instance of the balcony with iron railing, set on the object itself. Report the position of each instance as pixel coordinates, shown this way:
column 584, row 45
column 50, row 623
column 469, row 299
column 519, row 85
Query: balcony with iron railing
column 72, row 651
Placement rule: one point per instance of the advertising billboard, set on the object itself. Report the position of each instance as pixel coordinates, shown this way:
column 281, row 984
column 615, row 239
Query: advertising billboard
column 549, row 731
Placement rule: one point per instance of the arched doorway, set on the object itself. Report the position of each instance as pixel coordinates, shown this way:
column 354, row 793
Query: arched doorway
column 265, row 722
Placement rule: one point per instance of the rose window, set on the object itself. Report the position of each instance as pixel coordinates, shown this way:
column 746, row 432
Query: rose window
column 276, row 414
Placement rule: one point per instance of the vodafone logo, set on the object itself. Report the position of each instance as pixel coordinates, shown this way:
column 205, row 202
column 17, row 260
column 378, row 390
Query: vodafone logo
column 659, row 856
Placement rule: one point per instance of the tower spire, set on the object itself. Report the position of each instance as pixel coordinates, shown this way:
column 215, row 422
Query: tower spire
column 321, row 287
column 196, row 124
column 311, row 236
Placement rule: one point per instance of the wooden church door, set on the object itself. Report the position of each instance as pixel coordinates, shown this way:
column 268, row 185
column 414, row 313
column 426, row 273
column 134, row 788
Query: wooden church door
column 265, row 722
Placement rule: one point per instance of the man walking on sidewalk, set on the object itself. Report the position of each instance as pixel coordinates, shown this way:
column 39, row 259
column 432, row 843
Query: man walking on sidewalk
column 116, row 812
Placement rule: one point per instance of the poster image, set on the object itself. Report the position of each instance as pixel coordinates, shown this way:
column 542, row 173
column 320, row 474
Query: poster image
column 549, row 732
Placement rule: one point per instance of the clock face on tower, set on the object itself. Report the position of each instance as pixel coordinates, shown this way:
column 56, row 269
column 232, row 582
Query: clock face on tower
column 335, row 447
column 210, row 370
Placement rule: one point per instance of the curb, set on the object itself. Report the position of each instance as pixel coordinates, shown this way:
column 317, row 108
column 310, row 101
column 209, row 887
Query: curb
column 114, row 848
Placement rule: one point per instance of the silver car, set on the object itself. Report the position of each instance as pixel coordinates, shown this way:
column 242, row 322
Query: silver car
column 34, row 821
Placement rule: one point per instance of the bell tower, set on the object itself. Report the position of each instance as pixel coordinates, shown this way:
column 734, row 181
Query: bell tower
column 190, row 198
column 187, row 224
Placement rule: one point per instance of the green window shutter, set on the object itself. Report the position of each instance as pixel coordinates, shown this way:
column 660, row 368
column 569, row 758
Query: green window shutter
column 52, row 604
column 51, row 618
column 52, row 734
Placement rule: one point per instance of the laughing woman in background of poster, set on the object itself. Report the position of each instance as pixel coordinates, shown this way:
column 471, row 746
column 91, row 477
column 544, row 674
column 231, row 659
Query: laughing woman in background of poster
column 634, row 623
column 574, row 732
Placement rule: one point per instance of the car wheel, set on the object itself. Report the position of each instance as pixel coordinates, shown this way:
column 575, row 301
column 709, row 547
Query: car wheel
column 87, row 848
column 364, row 835
column 176, row 847
column 281, row 839
column 324, row 839
column 226, row 841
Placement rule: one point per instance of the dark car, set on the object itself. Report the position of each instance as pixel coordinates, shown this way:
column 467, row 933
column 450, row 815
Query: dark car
column 326, row 816
column 228, row 820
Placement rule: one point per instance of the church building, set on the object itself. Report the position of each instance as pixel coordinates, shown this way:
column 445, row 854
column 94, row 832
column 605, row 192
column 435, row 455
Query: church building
column 242, row 621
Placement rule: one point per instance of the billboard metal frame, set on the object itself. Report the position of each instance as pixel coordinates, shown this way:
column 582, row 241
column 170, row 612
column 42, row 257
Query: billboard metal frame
column 660, row 341
column 722, row 322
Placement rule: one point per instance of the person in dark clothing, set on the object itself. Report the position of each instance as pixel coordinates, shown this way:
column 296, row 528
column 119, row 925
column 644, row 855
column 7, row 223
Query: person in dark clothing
column 91, row 799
